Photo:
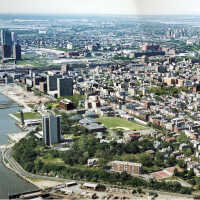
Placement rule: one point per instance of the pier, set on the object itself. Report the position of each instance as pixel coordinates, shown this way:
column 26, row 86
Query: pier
column 26, row 195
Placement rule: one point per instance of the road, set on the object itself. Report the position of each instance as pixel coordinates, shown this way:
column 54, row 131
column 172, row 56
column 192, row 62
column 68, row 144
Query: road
column 19, row 170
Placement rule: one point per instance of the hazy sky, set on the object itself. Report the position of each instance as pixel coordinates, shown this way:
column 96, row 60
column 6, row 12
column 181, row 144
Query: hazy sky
column 101, row 6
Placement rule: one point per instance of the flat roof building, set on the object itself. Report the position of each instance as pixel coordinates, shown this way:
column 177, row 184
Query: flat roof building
column 52, row 82
column 51, row 129
column 65, row 87
column 128, row 167
column 6, row 38
column 17, row 52
column 6, row 51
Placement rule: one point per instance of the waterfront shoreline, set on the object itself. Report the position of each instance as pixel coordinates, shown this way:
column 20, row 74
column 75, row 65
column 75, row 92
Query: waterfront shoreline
column 44, row 184
column 3, row 91
column 10, row 168
column 21, row 97
column 14, row 117
column 39, row 183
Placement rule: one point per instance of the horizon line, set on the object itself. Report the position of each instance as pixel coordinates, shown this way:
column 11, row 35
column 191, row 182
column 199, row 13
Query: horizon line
column 102, row 14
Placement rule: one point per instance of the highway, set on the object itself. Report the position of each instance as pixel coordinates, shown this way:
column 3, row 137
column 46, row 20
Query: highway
column 19, row 170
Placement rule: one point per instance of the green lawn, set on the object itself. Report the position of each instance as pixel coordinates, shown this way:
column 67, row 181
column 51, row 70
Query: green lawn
column 32, row 61
column 114, row 122
column 54, row 161
column 29, row 115
column 61, row 163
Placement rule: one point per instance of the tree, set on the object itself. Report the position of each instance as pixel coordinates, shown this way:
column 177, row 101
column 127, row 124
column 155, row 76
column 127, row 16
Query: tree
column 181, row 163
column 132, row 147
column 83, row 159
column 175, row 172
column 188, row 152
column 159, row 159
column 29, row 166
column 191, row 173
column 171, row 161
column 38, row 165
column 182, row 138
column 164, row 144
column 146, row 160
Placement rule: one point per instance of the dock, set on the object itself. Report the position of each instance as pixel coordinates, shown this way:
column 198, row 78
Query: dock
column 26, row 195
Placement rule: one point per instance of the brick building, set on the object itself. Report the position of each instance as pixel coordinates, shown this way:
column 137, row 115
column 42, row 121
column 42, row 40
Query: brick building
column 128, row 167
column 66, row 104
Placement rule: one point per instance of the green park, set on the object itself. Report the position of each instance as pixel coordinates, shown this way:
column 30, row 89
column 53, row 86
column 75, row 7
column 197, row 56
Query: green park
column 120, row 123
column 29, row 115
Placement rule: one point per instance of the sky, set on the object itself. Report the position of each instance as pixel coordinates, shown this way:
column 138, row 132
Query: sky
column 143, row 7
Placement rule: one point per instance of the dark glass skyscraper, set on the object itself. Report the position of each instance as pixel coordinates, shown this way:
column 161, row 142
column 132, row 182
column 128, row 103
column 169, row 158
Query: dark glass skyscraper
column 17, row 52
column 6, row 51
column 6, row 42
column 51, row 129
column 6, row 38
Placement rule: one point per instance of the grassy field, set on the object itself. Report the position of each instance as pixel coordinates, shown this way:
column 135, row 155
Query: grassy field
column 29, row 115
column 32, row 61
column 55, row 161
column 114, row 122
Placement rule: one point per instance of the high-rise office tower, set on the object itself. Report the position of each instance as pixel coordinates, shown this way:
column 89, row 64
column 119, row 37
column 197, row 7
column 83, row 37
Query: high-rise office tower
column 6, row 43
column 17, row 52
column 65, row 86
column 51, row 126
column 6, row 38
column 6, row 51
column 1, row 37
column 13, row 38
column 52, row 82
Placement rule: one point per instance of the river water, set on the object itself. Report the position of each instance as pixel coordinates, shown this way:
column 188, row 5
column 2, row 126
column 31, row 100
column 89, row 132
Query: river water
column 10, row 183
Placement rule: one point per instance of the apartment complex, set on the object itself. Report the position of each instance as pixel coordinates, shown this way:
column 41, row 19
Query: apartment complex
column 128, row 167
